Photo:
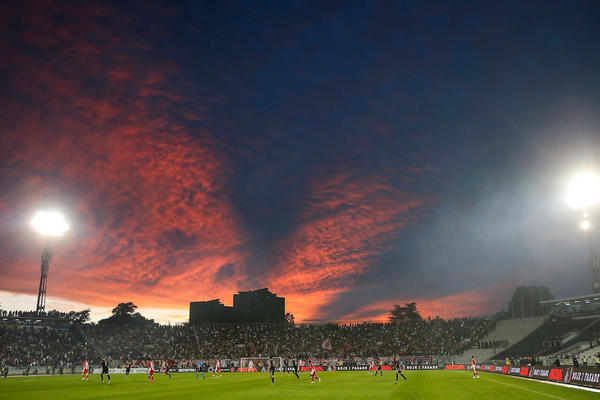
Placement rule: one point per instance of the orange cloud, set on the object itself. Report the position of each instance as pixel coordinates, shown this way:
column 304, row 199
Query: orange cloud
column 468, row 303
column 346, row 225
column 98, row 125
column 147, row 198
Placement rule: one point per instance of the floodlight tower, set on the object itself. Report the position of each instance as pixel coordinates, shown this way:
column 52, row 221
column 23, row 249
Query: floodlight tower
column 583, row 195
column 49, row 224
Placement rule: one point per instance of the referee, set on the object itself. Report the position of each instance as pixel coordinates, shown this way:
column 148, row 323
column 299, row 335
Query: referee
column 104, row 365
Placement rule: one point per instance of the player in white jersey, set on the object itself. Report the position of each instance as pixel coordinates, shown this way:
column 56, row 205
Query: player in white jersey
column 85, row 370
column 474, row 367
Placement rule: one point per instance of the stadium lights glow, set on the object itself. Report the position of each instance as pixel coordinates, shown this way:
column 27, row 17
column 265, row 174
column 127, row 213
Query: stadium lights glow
column 584, row 191
column 50, row 223
column 585, row 225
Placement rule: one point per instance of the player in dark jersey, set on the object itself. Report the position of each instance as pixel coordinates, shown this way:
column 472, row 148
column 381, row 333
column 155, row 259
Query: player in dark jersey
column 285, row 367
column 272, row 371
column 104, row 365
column 165, row 369
column 295, row 369
column 128, row 368
column 399, row 366
column 379, row 369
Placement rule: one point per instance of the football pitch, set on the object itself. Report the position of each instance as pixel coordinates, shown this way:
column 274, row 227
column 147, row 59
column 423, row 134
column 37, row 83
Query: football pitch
column 454, row 385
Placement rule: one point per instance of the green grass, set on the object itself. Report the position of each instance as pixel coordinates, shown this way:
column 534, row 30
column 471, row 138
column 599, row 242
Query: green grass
column 455, row 385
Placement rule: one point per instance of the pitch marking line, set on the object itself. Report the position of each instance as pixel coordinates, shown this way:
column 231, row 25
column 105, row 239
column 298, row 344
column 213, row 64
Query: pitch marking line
column 529, row 390
column 565, row 385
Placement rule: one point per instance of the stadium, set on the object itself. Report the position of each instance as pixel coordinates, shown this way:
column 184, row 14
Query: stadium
column 299, row 200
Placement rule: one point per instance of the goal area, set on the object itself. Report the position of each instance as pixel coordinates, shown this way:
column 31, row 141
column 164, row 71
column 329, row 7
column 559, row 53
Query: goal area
column 259, row 364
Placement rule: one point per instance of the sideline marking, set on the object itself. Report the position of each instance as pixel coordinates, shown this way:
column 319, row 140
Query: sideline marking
column 565, row 385
column 529, row 390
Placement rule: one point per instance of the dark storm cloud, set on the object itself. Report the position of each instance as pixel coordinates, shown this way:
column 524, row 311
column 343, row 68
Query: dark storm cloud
column 349, row 155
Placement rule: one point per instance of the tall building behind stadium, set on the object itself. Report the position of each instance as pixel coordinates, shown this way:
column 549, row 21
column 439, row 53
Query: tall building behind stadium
column 249, row 306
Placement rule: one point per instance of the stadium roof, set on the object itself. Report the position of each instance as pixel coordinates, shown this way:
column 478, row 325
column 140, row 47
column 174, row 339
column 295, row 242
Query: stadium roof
column 577, row 299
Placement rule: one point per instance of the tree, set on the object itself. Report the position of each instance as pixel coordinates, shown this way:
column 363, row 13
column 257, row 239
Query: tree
column 404, row 314
column 124, row 314
column 289, row 319
column 123, row 309
column 80, row 317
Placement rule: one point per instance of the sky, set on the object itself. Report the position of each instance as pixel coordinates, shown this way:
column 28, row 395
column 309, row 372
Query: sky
column 347, row 155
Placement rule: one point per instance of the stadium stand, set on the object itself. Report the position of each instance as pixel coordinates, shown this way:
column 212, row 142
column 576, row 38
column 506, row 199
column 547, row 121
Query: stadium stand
column 505, row 333
column 30, row 346
column 553, row 336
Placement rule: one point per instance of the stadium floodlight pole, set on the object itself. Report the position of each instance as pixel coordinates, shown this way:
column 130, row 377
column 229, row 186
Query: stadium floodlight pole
column 49, row 224
column 583, row 195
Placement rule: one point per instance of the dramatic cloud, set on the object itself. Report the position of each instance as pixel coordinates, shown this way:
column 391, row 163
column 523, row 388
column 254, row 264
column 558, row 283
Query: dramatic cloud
column 346, row 225
column 347, row 163
column 100, row 132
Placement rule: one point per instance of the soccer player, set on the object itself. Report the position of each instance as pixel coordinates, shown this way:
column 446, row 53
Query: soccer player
column 378, row 368
column 399, row 367
column 272, row 371
column 85, row 372
column 295, row 367
column 251, row 366
column 218, row 368
column 128, row 368
column 165, row 369
column 474, row 367
column 371, row 367
column 150, row 372
column 313, row 373
column 199, row 370
column 104, row 364
column 285, row 366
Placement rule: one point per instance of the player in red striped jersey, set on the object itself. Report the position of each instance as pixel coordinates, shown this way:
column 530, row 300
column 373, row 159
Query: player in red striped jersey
column 86, row 370
column 150, row 372
column 313, row 373
column 474, row 367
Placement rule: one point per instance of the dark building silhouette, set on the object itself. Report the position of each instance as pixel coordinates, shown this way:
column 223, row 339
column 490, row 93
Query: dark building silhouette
column 251, row 306
column 211, row 311
column 260, row 306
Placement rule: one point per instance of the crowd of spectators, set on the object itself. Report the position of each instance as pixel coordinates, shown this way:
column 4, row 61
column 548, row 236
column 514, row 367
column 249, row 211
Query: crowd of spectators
column 22, row 345
column 35, row 315
column 490, row 344
column 40, row 346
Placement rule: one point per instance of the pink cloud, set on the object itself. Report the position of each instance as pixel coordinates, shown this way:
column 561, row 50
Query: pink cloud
column 346, row 226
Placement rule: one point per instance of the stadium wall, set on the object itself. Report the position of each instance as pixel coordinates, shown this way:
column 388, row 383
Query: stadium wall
column 581, row 376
